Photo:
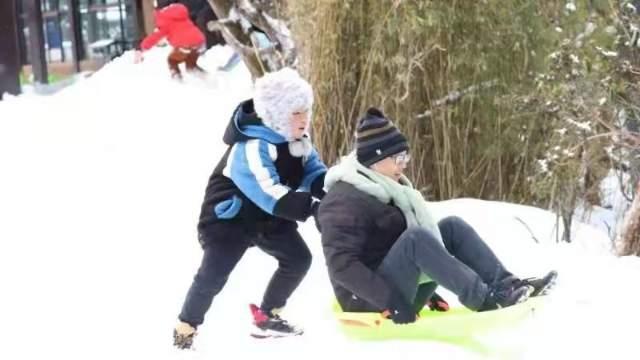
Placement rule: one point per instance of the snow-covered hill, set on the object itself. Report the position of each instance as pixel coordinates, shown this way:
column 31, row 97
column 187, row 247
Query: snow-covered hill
column 100, row 191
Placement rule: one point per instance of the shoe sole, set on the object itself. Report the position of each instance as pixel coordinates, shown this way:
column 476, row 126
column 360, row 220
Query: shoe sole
column 267, row 334
column 182, row 342
column 524, row 297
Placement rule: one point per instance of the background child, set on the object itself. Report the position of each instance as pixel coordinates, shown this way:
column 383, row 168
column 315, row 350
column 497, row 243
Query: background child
column 174, row 24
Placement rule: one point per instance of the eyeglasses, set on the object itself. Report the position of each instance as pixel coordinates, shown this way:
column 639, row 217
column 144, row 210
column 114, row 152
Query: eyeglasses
column 402, row 158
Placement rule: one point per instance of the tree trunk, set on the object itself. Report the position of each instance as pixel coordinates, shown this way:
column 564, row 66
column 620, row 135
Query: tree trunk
column 244, row 24
column 630, row 233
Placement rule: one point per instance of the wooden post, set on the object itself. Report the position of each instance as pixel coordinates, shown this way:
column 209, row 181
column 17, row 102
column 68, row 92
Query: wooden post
column 76, row 31
column 148, row 10
column 33, row 12
column 9, row 55
column 22, row 41
column 137, row 13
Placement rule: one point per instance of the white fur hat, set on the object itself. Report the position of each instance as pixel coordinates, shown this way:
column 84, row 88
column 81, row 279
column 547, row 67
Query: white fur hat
column 279, row 94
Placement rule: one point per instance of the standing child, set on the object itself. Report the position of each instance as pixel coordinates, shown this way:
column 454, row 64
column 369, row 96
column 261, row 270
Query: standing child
column 173, row 23
column 264, row 183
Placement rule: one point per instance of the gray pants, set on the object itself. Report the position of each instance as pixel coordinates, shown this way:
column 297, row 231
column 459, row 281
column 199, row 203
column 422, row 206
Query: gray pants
column 466, row 265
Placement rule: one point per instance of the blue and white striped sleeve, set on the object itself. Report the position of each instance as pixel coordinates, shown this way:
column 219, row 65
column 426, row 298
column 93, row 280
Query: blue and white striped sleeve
column 251, row 167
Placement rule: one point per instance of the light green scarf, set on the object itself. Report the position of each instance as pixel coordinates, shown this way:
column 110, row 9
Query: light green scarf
column 385, row 189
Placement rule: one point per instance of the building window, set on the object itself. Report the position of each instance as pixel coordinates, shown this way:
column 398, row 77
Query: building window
column 107, row 29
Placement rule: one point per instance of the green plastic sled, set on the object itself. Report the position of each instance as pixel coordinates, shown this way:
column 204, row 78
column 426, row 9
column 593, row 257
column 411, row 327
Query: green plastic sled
column 458, row 326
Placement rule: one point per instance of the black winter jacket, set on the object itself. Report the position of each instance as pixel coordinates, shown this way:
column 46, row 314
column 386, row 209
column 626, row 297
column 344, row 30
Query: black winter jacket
column 358, row 231
column 258, row 181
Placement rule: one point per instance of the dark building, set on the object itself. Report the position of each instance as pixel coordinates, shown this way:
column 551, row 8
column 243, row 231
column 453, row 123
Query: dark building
column 47, row 39
column 9, row 59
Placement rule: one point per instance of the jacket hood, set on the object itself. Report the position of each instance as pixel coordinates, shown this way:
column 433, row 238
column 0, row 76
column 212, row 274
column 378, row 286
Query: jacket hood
column 171, row 13
column 245, row 125
column 279, row 94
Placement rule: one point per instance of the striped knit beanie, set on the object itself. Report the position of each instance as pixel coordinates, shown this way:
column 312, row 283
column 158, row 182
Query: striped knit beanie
column 377, row 138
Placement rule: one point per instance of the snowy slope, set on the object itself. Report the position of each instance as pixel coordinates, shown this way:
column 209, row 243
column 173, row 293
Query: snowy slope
column 100, row 190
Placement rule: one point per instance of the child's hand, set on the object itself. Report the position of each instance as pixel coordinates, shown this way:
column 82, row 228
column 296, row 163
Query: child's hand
column 138, row 57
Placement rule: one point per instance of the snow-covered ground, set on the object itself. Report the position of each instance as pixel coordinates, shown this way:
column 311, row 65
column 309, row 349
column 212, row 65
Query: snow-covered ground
column 100, row 191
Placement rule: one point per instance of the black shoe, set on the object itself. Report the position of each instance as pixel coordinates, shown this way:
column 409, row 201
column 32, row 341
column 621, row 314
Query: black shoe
column 541, row 286
column 506, row 296
column 269, row 325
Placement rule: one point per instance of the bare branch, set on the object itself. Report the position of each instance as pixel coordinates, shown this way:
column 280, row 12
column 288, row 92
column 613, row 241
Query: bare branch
column 229, row 37
column 244, row 24
column 528, row 229
column 219, row 26
column 455, row 96
column 275, row 29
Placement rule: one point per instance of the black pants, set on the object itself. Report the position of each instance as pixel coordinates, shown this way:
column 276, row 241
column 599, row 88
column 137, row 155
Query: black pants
column 224, row 245
column 465, row 265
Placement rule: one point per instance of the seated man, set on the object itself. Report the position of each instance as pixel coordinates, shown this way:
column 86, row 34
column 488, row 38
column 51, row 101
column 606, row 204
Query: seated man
column 383, row 249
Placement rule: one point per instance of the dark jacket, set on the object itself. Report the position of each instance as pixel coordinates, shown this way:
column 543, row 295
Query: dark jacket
column 358, row 231
column 258, row 180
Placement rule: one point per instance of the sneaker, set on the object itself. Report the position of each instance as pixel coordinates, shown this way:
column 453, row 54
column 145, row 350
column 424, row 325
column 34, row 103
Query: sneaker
column 501, row 297
column 437, row 303
column 197, row 70
column 541, row 286
column 183, row 335
column 268, row 325
column 176, row 75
